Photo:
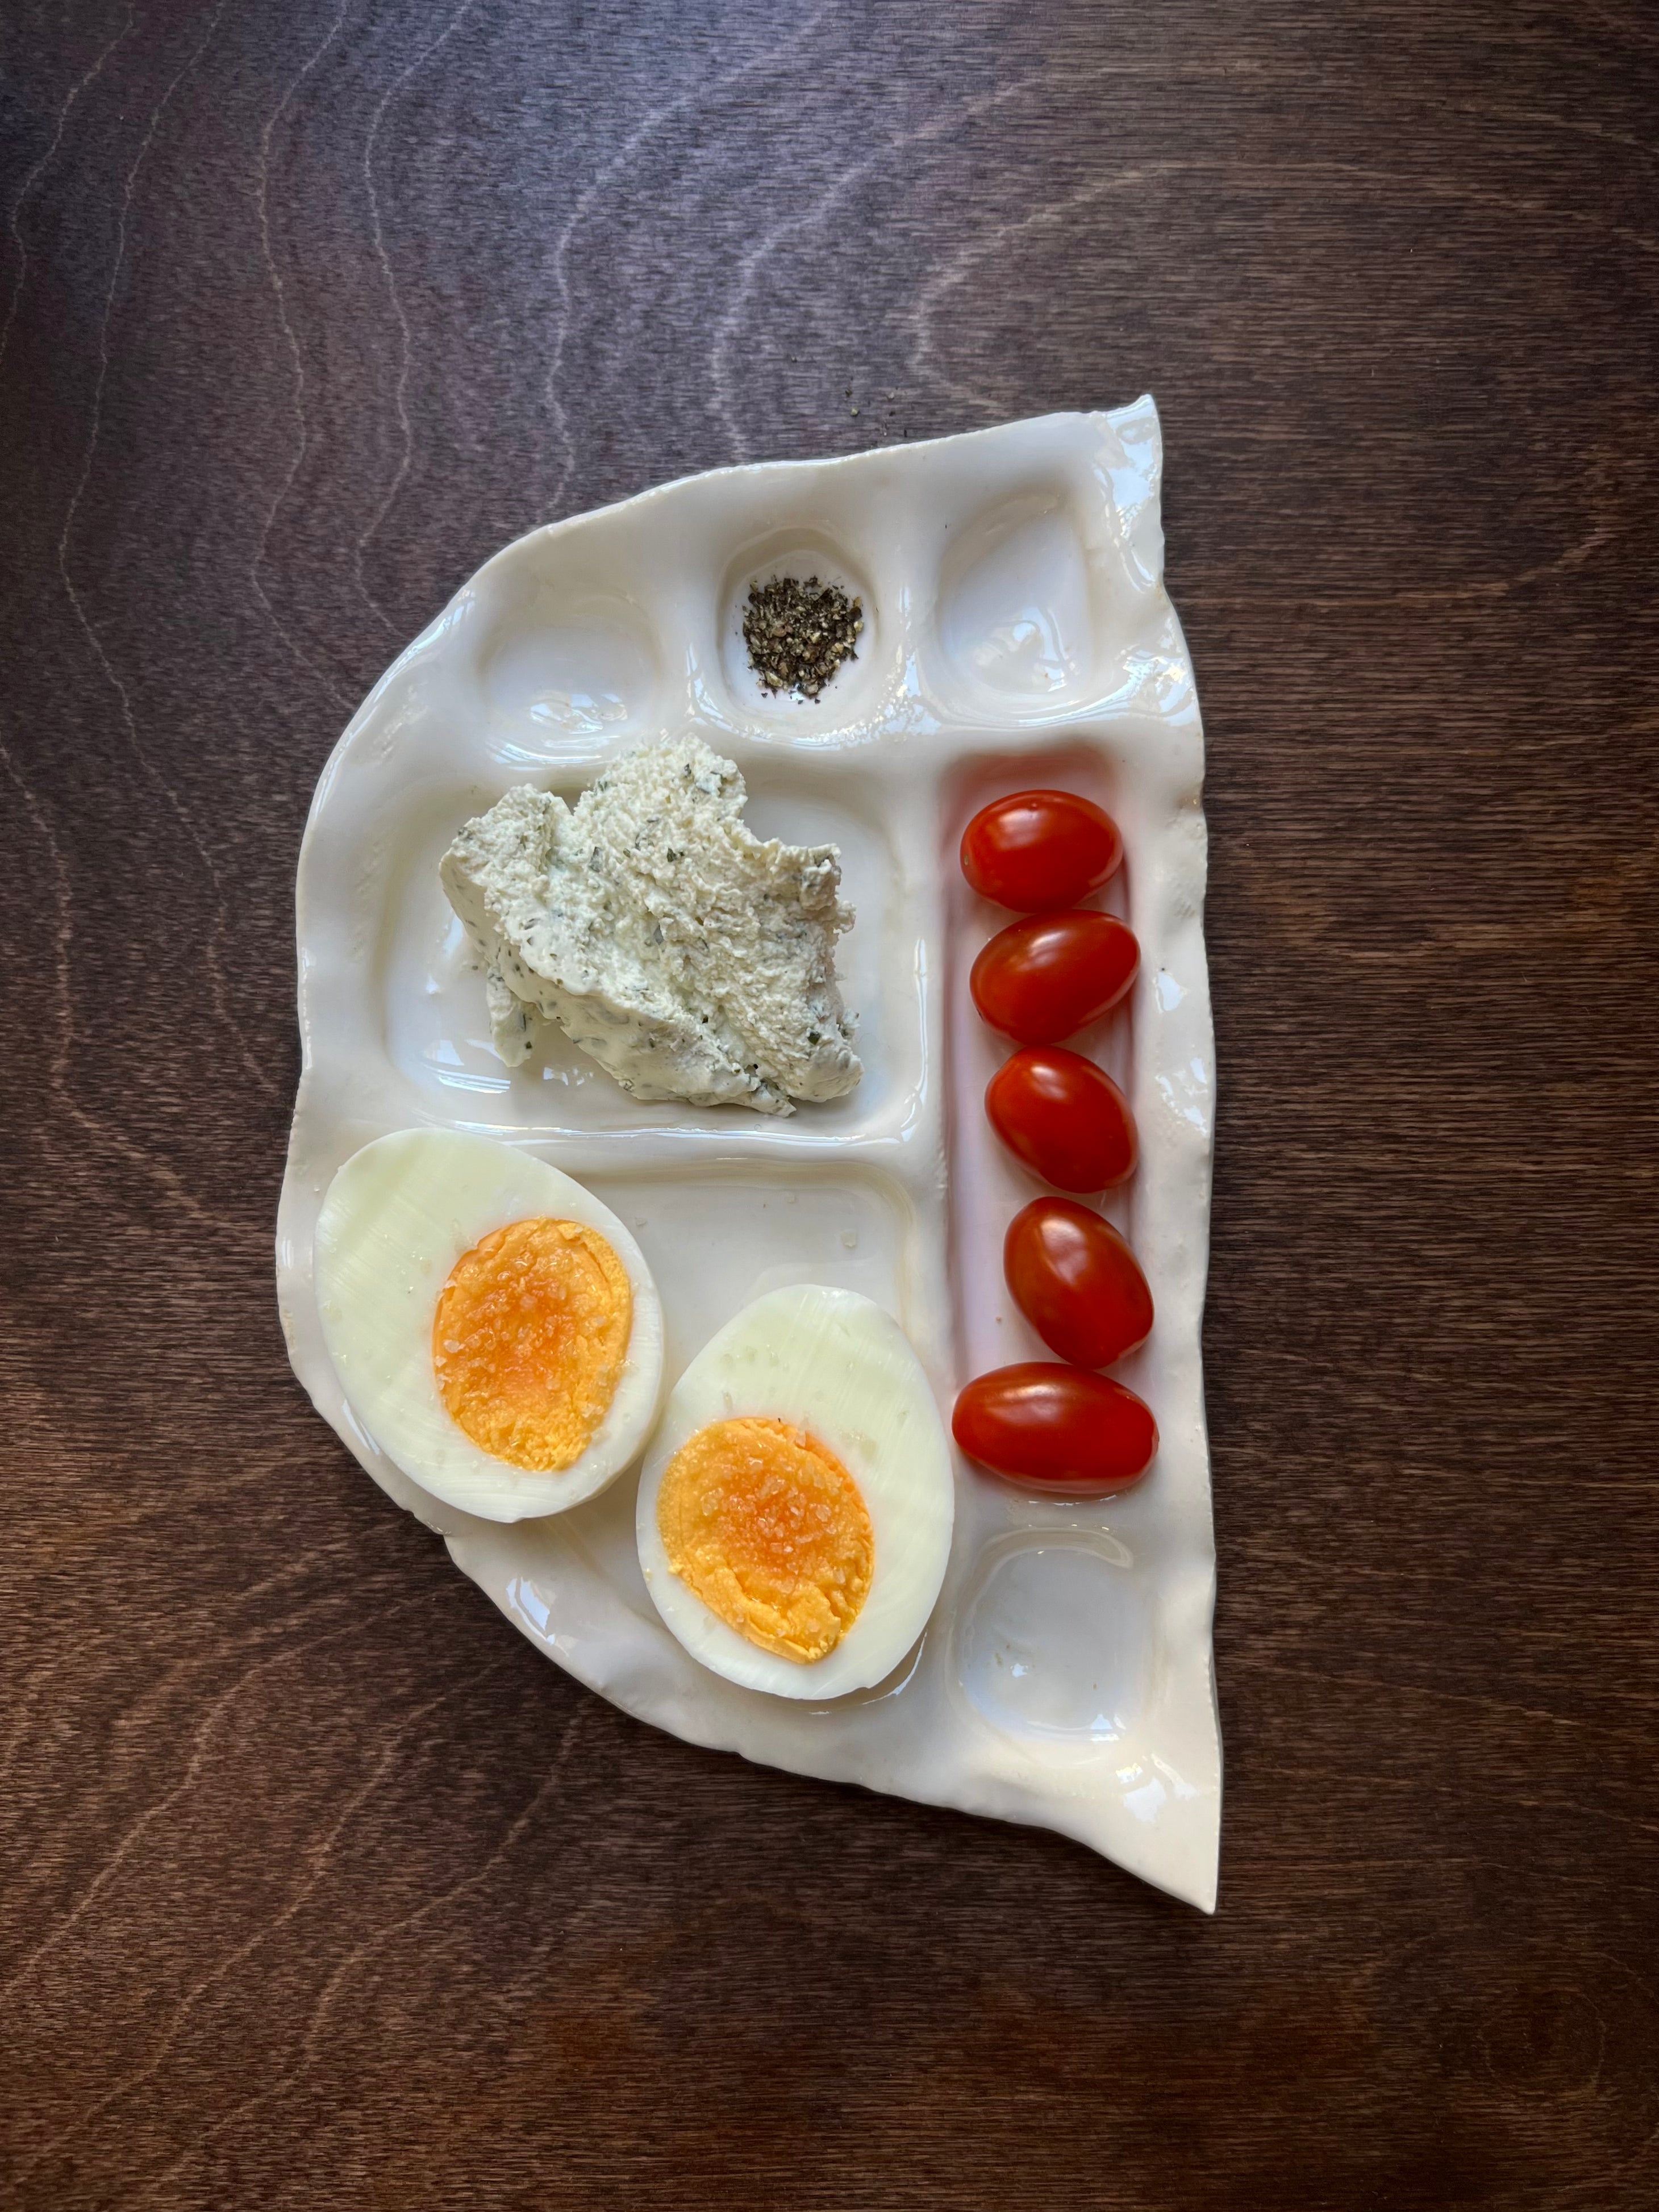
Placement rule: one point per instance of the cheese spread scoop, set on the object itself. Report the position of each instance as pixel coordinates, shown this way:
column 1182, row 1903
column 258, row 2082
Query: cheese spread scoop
column 691, row 958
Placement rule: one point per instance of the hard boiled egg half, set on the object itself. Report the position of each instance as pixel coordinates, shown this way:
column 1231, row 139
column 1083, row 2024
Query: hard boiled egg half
column 795, row 1506
column 494, row 1327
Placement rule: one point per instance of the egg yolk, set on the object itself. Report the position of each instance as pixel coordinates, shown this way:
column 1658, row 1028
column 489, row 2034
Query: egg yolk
column 529, row 1339
column 769, row 1530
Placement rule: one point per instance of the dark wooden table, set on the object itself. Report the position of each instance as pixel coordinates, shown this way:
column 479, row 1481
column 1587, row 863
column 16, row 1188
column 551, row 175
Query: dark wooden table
column 319, row 1888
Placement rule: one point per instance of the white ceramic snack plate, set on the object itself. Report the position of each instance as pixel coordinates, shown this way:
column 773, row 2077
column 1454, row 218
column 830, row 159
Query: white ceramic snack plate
column 1017, row 633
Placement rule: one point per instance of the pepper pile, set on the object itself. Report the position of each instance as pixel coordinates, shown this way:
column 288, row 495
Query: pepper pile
column 799, row 632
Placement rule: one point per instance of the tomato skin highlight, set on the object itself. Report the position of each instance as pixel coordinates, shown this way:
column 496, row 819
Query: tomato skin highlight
column 1063, row 1117
column 1038, row 849
column 1056, row 1428
column 1076, row 1282
column 1041, row 980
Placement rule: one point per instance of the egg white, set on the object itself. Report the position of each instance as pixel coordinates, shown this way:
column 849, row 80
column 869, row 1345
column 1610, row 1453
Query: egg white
column 836, row 1365
column 397, row 1217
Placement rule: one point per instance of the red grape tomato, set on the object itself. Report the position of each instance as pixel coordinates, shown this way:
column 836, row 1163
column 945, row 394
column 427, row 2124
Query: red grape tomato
column 1045, row 978
column 1076, row 1282
column 1039, row 849
column 1057, row 1428
column 1063, row 1117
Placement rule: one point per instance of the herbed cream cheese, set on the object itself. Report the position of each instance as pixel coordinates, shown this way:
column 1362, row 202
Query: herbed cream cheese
column 691, row 958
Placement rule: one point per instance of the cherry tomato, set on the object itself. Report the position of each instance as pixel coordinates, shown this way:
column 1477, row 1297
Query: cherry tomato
column 1063, row 1116
column 1040, row 849
column 1058, row 1428
column 1039, row 981
column 1076, row 1282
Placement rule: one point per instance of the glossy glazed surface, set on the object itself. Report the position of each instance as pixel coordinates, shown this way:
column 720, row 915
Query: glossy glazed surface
column 961, row 549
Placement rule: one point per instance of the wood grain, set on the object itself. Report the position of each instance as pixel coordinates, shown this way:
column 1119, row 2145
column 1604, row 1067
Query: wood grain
column 321, row 1888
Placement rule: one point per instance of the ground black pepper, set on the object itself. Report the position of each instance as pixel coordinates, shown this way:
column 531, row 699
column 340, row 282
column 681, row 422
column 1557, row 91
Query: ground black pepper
column 799, row 632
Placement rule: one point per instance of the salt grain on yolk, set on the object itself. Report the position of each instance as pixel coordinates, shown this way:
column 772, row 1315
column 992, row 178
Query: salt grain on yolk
column 769, row 1530
column 529, row 1339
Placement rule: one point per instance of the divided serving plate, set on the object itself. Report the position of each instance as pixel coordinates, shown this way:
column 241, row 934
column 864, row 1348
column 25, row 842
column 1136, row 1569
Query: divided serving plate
column 1017, row 633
